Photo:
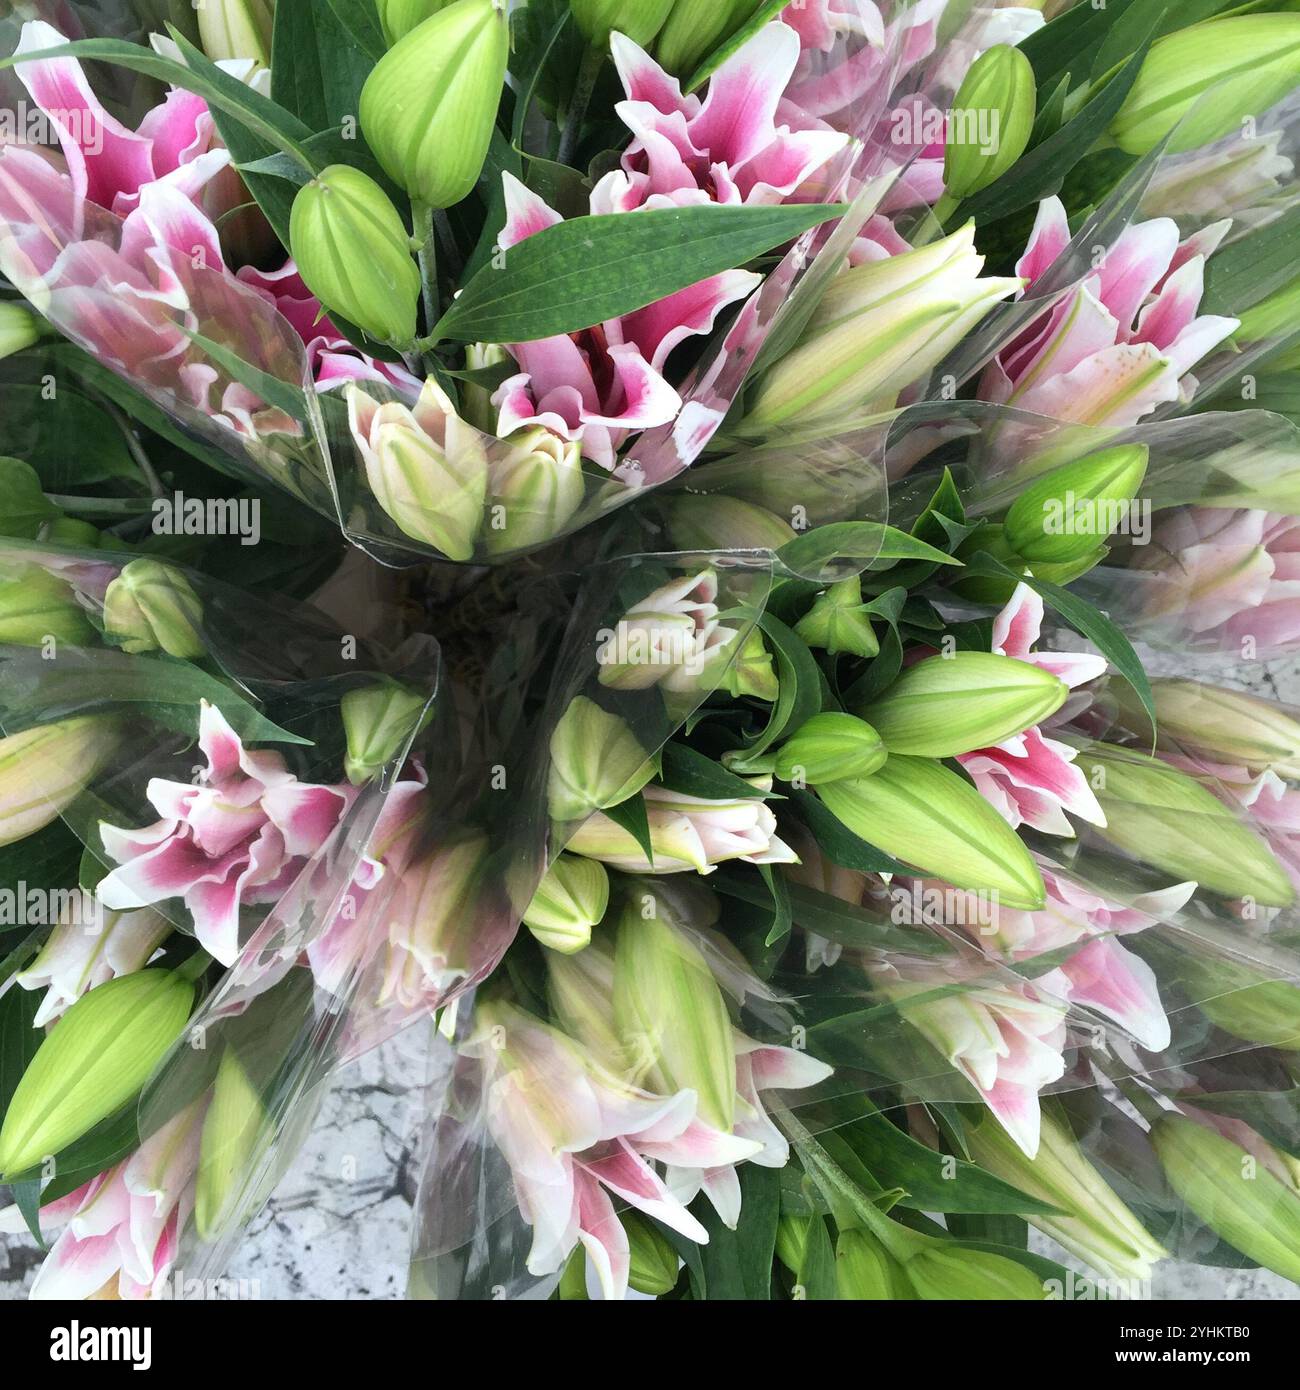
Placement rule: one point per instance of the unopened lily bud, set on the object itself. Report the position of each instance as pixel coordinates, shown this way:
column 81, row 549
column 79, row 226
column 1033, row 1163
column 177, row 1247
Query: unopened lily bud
column 234, row 1123
column 429, row 106
column 671, row 1015
column 36, row 606
column 924, row 815
column 151, row 606
column 865, row 1271
column 1244, row 1002
column 654, row 1260
column 427, row 469
column 92, row 1062
column 829, row 747
column 999, row 82
column 354, row 253
column 596, row 762
column 378, row 720
column 476, row 406
column 570, row 900
column 694, row 30
column 838, row 621
column 19, row 329
column 237, row 29
column 947, row 705
column 536, row 486
column 640, row 20
column 580, row 990
column 1251, row 61
column 725, row 523
column 1232, row 1192
column 792, row 1240
column 671, row 638
column 1068, row 513
column 942, row 1271
column 1273, row 317
column 752, row 672
column 1165, row 818
column 1092, row 1223
column 44, row 769
column 398, row 17
column 1226, row 726
column 878, row 328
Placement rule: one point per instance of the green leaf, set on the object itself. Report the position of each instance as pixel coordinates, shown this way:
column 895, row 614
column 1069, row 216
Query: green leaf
column 839, row 843
column 24, row 507
column 99, row 681
column 817, row 1275
column 631, row 816
column 19, row 1039
column 800, row 695
column 70, row 442
column 684, row 770
column 360, row 20
column 317, row 66
column 1085, row 619
column 1041, row 172
column 1068, row 42
column 1239, row 275
column 737, row 1265
column 768, row 10
column 870, row 541
column 589, row 269
column 271, row 389
column 779, row 887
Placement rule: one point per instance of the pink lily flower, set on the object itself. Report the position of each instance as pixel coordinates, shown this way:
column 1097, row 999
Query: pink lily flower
column 608, row 382
column 1102, row 975
column 1122, row 342
column 759, row 1067
column 575, row 1136
column 123, row 1227
column 237, row 837
column 1006, row 1038
column 1230, row 576
column 1030, row 779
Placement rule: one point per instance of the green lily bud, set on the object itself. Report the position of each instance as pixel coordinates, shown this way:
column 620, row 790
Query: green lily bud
column 725, row 523
column 234, row 1122
column 924, row 815
column 1251, row 61
column 672, row 1018
column 829, row 747
column 792, row 1240
column 752, row 672
column 36, row 606
column 947, row 705
column 95, row 1058
column 1226, row 726
column 1167, row 819
column 866, row 1272
column 1064, row 515
column 1236, row 1197
column 398, row 17
column 19, row 329
column 24, row 507
column 596, row 762
column 1245, row 1003
column 640, row 20
column 476, row 406
column 838, row 621
column 151, row 606
column 999, row 88
column 44, row 769
column 654, row 1261
column 378, row 719
column 693, row 31
column 536, row 486
column 949, row 1272
column 580, row 990
column 354, row 253
column 1093, row 1224
column 573, row 1281
column 429, row 106
column 237, row 29
column 569, row 901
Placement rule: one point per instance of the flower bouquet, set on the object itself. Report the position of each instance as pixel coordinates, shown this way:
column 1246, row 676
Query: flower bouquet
column 729, row 563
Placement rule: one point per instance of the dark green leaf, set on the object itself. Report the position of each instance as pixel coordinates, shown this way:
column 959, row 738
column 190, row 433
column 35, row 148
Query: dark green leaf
column 631, row 815
column 685, row 770
column 817, row 1281
column 779, row 887
column 317, row 67
column 360, row 19
column 870, row 541
column 66, row 438
column 589, row 269
column 800, row 694
column 737, row 1264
